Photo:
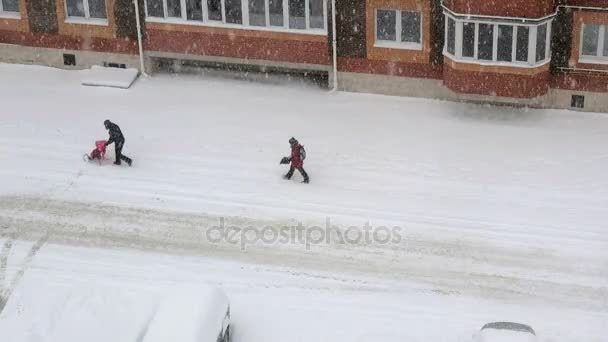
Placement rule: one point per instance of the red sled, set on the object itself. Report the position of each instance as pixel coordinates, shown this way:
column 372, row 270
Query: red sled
column 99, row 153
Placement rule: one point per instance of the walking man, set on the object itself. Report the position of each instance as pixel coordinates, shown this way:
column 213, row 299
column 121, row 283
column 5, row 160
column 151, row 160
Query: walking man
column 298, row 154
column 118, row 139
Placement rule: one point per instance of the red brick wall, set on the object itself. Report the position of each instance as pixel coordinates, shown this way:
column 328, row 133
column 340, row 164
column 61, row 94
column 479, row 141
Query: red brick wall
column 392, row 68
column 588, row 3
column 496, row 84
column 56, row 41
column 581, row 82
column 246, row 47
column 507, row 8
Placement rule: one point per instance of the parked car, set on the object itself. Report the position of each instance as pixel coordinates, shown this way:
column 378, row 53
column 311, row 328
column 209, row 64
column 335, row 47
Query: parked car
column 200, row 314
column 506, row 332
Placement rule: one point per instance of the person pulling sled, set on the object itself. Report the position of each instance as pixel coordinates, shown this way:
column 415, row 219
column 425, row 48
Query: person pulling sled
column 298, row 154
column 118, row 139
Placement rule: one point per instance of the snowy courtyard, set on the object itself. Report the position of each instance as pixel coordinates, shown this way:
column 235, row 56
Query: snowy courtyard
column 498, row 213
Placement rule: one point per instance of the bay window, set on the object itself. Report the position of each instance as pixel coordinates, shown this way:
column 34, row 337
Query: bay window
column 497, row 42
column 398, row 29
column 505, row 43
column 451, row 36
column 289, row 15
column 594, row 43
column 87, row 9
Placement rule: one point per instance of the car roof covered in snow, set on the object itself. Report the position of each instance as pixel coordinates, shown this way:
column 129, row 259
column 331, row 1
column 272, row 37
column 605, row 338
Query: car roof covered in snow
column 107, row 312
column 188, row 314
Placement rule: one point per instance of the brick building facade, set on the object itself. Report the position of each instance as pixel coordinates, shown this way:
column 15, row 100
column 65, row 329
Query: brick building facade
column 541, row 53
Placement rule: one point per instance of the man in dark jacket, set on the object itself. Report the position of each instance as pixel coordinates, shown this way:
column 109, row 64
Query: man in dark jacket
column 118, row 139
column 298, row 154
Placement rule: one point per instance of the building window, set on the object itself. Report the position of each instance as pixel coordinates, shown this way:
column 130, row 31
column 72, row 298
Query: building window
column 451, row 36
column 541, row 42
column 595, row 43
column 505, row 43
column 399, row 29
column 578, row 101
column 485, row 42
column 523, row 36
column 497, row 43
column 10, row 7
column 88, row 9
column 274, row 14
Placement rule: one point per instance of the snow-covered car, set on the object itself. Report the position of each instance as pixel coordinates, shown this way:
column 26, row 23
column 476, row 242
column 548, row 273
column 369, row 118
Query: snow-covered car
column 506, row 332
column 200, row 314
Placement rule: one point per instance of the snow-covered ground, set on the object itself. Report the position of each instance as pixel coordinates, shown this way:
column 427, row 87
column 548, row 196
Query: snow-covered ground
column 501, row 213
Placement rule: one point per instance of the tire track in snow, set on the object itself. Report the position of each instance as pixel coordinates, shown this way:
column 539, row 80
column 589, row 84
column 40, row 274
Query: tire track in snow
column 448, row 264
column 6, row 249
column 6, row 293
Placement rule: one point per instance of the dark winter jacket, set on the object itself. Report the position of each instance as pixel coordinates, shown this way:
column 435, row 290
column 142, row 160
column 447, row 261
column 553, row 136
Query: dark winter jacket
column 115, row 133
column 298, row 154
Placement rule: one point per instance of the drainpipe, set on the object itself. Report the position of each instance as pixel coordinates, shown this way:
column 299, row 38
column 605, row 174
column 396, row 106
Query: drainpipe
column 334, row 45
column 142, row 67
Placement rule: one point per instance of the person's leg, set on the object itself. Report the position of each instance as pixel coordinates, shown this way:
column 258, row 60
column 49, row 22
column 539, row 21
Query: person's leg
column 118, row 151
column 290, row 172
column 122, row 156
column 304, row 174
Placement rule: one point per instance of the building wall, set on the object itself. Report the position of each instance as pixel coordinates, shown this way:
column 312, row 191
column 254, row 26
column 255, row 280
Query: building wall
column 20, row 24
column 496, row 81
column 383, row 60
column 507, row 8
column 582, row 17
column 237, row 43
column 80, row 28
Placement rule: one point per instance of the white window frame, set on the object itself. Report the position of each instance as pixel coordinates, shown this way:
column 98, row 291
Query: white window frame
column 87, row 15
column 245, row 18
column 10, row 14
column 599, row 57
column 397, row 43
column 532, row 37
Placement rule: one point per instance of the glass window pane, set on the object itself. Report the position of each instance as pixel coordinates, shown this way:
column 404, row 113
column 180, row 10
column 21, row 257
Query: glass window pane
column 451, row 36
column 410, row 27
column 75, row 8
column 214, row 7
column 591, row 36
column 605, row 41
column 386, row 25
column 97, row 9
column 468, row 40
column 276, row 12
column 485, row 42
column 505, row 43
column 541, row 42
column 234, row 12
column 297, row 13
column 194, row 10
column 257, row 13
column 316, row 14
column 174, row 9
column 155, row 8
column 10, row 5
column 521, row 50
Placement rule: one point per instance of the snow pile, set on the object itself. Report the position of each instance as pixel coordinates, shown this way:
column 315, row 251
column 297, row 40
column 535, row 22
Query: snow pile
column 99, row 76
